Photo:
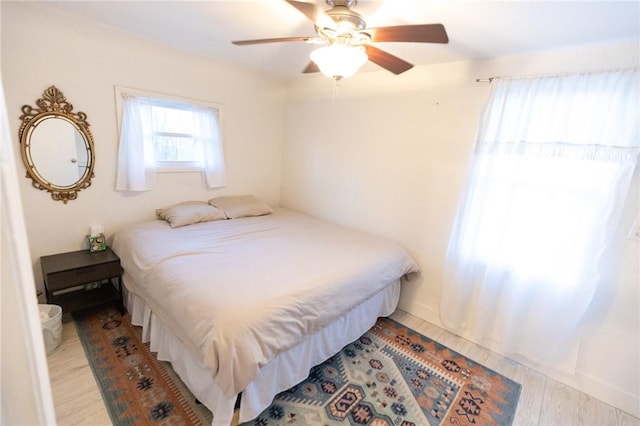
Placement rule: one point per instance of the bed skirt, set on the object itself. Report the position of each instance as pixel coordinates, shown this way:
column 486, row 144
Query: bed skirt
column 285, row 370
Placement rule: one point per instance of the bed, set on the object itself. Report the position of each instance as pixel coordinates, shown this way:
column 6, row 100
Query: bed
column 248, row 303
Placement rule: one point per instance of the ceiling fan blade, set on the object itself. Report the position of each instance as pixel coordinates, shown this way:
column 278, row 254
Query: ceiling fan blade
column 311, row 67
column 311, row 11
column 428, row 33
column 387, row 60
column 270, row 40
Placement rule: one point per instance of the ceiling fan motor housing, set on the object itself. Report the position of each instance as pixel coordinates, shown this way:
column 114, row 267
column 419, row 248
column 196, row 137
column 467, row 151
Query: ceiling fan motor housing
column 342, row 14
column 346, row 3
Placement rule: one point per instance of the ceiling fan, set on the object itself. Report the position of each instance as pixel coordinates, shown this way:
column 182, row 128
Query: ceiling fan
column 349, row 41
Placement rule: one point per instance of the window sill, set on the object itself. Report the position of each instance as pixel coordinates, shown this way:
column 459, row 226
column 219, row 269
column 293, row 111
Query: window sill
column 178, row 169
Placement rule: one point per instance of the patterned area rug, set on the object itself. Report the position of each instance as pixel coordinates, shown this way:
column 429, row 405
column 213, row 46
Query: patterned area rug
column 392, row 375
column 137, row 388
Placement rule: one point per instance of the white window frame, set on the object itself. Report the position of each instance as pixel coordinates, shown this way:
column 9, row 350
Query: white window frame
column 167, row 166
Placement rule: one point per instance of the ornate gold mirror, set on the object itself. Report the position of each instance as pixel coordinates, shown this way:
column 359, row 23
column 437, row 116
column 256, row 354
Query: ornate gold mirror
column 56, row 146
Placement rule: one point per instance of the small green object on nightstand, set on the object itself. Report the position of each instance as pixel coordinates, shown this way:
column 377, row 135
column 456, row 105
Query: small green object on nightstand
column 97, row 243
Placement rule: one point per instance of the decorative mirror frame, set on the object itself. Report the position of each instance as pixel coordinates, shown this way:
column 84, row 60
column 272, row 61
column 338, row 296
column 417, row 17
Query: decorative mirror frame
column 54, row 104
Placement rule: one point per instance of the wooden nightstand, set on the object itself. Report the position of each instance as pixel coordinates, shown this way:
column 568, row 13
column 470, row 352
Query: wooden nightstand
column 80, row 279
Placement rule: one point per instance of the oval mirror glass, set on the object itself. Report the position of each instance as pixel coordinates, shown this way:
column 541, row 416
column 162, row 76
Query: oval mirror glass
column 58, row 151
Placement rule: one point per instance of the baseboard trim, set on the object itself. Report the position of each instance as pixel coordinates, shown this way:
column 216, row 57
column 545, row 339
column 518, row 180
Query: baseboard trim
column 596, row 388
column 609, row 394
column 421, row 311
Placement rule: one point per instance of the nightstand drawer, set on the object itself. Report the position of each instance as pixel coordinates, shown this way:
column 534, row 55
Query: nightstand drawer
column 73, row 277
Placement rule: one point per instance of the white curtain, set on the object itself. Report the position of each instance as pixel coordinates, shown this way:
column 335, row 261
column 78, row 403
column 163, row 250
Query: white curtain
column 208, row 140
column 533, row 235
column 136, row 160
column 136, row 157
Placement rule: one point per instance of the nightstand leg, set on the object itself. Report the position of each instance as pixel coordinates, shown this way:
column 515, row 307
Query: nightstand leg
column 121, row 300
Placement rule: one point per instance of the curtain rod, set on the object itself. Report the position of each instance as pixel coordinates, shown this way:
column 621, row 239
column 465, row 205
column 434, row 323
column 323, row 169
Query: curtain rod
column 490, row 79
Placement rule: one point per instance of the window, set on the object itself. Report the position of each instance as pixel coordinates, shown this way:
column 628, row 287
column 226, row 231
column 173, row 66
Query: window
column 174, row 139
column 163, row 134
column 534, row 232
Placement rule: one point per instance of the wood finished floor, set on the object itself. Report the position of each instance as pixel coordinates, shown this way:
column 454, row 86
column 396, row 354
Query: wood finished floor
column 543, row 401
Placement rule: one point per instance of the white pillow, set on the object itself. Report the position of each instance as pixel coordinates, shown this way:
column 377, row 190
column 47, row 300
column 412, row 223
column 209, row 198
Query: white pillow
column 189, row 213
column 236, row 206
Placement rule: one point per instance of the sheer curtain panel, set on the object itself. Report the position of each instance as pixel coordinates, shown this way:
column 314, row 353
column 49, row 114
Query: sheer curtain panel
column 136, row 159
column 534, row 232
column 209, row 142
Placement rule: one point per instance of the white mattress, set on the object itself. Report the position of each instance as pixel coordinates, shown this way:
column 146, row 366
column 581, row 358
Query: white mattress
column 284, row 371
column 238, row 293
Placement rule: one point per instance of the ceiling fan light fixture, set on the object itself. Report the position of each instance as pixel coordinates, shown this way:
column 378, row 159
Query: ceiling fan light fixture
column 339, row 61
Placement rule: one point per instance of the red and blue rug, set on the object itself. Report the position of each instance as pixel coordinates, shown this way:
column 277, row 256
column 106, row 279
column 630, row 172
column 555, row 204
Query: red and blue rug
column 136, row 388
column 392, row 375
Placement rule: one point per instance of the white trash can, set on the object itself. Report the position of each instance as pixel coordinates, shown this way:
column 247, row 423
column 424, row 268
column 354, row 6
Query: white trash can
column 51, row 320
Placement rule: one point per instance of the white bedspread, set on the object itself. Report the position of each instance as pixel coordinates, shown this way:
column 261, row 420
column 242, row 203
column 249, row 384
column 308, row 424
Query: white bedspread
column 237, row 292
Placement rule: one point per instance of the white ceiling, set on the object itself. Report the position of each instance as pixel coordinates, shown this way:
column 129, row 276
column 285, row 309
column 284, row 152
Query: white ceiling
column 476, row 28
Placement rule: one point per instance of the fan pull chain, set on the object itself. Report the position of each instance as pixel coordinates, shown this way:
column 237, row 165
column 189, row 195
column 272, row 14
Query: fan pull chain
column 336, row 89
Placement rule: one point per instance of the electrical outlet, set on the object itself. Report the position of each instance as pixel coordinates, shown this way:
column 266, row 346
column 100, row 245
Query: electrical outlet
column 634, row 232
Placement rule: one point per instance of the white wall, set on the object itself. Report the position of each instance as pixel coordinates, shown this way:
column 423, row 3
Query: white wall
column 85, row 61
column 389, row 155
